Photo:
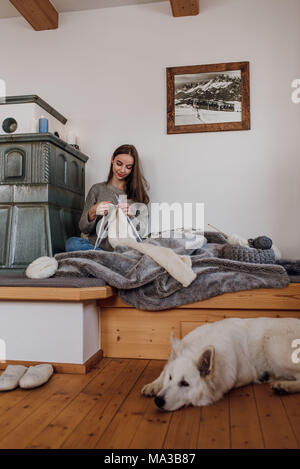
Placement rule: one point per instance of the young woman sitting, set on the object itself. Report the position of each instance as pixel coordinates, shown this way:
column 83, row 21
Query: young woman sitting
column 125, row 180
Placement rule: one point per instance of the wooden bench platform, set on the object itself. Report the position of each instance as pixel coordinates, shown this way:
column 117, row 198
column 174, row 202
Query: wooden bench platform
column 55, row 294
column 72, row 327
column 128, row 332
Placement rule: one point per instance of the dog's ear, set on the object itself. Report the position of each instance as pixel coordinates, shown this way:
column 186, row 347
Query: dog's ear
column 175, row 346
column 206, row 362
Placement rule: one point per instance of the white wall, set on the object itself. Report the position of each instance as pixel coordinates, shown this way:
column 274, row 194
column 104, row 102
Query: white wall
column 105, row 70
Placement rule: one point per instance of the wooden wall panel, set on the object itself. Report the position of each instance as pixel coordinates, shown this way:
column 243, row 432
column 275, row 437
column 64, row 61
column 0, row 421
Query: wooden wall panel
column 133, row 333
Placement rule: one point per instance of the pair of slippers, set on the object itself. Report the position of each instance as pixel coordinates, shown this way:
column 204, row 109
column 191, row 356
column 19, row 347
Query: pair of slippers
column 26, row 378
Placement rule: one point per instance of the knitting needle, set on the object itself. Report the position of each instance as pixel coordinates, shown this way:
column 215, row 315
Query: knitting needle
column 217, row 230
column 101, row 236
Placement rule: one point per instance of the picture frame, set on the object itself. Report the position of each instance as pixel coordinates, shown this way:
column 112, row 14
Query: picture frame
column 208, row 98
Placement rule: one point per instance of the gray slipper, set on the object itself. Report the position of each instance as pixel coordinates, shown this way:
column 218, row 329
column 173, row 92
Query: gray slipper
column 10, row 378
column 36, row 376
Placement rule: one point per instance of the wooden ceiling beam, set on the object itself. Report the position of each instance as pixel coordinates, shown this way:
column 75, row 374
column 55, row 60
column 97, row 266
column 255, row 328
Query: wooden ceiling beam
column 41, row 14
column 185, row 7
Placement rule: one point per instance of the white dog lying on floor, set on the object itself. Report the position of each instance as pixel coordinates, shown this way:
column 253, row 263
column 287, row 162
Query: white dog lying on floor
column 217, row 357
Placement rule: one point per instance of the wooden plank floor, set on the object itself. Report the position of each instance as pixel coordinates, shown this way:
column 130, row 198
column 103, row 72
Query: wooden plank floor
column 104, row 409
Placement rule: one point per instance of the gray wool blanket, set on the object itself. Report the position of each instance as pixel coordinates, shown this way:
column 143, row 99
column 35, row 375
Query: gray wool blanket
column 144, row 284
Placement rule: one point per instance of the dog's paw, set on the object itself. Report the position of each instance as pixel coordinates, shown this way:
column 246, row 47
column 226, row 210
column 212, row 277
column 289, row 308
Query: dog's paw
column 150, row 390
column 280, row 387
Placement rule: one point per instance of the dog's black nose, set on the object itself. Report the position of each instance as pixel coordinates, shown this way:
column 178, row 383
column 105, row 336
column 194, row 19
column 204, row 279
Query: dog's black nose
column 159, row 401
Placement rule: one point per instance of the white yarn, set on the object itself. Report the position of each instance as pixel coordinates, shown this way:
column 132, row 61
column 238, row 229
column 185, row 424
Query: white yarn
column 42, row 267
column 237, row 240
column 276, row 252
column 119, row 228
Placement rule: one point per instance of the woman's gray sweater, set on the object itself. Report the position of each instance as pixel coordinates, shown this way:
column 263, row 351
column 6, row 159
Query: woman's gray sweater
column 101, row 192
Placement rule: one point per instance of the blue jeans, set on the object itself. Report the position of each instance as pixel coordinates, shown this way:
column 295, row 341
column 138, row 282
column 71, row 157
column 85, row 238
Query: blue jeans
column 79, row 244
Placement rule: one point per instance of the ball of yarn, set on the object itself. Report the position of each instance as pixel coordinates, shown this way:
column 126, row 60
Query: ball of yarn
column 42, row 267
column 261, row 242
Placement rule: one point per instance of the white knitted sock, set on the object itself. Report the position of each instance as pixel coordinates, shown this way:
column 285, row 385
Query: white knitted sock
column 10, row 378
column 36, row 376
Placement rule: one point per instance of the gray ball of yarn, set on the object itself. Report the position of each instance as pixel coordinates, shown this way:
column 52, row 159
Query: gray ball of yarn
column 261, row 242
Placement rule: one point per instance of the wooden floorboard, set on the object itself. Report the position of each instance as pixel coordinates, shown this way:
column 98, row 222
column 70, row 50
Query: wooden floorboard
column 245, row 426
column 291, row 404
column 214, row 430
column 93, row 426
column 124, row 427
column 25, row 421
column 58, row 430
column 277, row 430
column 183, row 429
column 104, row 409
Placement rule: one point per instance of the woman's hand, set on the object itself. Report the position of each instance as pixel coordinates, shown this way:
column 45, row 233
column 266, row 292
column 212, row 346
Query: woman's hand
column 126, row 209
column 101, row 209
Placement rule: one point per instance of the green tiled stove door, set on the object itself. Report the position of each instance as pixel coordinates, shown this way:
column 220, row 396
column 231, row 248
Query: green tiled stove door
column 5, row 212
column 29, row 240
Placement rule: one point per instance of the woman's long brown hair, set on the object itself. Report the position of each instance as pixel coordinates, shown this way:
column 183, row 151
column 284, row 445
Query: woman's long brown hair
column 136, row 184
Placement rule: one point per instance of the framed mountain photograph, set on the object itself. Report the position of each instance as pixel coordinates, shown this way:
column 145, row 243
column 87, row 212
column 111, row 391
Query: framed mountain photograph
column 208, row 98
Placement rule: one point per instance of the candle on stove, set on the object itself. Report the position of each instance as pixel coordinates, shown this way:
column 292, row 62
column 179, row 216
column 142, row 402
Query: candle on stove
column 43, row 124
